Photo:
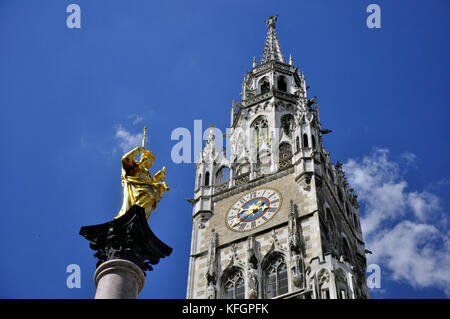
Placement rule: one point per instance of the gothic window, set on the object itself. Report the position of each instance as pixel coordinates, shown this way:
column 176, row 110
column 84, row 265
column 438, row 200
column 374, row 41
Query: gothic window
column 223, row 174
column 287, row 123
column 323, row 278
column 285, row 151
column 305, row 140
column 341, row 284
column 281, row 83
column 207, row 179
column 199, row 183
column 313, row 139
column 325, row 293
column 276, row 277
column 346, row 250
column 264, row 85
column 297, row 143
column 261, row 131
column 330, row 229
column 233, row 287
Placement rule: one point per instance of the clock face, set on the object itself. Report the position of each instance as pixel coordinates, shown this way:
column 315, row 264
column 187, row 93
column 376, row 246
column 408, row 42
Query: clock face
column 253, row 209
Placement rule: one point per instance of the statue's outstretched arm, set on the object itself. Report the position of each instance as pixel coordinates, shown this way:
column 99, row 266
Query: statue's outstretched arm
column 128, row 158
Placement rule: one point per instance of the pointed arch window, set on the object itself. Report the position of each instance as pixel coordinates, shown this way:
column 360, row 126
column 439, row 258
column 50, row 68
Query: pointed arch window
column 207, row 179
column 331, row 240
column 276, row 277
column 305, row 140
column 297, row 143
column 346, row 250
column 233, row 287
column 281, row 83
column 223, row 175
column 341, row 284
column 324, row 284
column 199, row 182
column 261, row 130
column 313, row 139
column 264, row 85
column 287, row 123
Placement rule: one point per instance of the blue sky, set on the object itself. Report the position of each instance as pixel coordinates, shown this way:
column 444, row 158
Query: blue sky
column 72, row 98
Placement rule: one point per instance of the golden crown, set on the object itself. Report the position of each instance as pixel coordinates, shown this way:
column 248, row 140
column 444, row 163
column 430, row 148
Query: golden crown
column 146, row 154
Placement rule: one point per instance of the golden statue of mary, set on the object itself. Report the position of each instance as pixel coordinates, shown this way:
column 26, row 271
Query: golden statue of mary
column 139, row 187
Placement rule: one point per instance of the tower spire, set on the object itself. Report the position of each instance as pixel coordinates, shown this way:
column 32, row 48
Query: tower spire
column 272, row 48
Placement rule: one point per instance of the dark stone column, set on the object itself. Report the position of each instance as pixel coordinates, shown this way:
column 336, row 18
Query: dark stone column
column 125, row 249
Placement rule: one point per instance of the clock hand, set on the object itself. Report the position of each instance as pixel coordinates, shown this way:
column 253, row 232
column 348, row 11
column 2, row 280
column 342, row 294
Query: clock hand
column 235, row 222
column 247, row 212
column 251, row 210
column 237, row 219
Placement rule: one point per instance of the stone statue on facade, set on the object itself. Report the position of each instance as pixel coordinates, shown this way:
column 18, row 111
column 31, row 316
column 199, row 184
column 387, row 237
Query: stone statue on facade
column 252, row 272
column 252, row 275
column 295, row 247
column 211, row 274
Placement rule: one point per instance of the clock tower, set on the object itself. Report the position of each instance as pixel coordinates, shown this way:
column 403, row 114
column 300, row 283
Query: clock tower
column 275, row 218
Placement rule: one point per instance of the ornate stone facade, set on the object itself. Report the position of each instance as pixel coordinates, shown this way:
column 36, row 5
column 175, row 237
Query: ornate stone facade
column 312, row 246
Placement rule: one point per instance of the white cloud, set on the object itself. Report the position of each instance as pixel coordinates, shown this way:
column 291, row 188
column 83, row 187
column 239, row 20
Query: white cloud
column 136, row 118
column 416, row 253
column 376, row 181
column 409, row 158
column 128, row 141
column 397, row 224
column 423, row 204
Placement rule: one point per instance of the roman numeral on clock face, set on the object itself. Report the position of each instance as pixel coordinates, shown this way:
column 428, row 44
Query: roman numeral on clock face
column 242, row 226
